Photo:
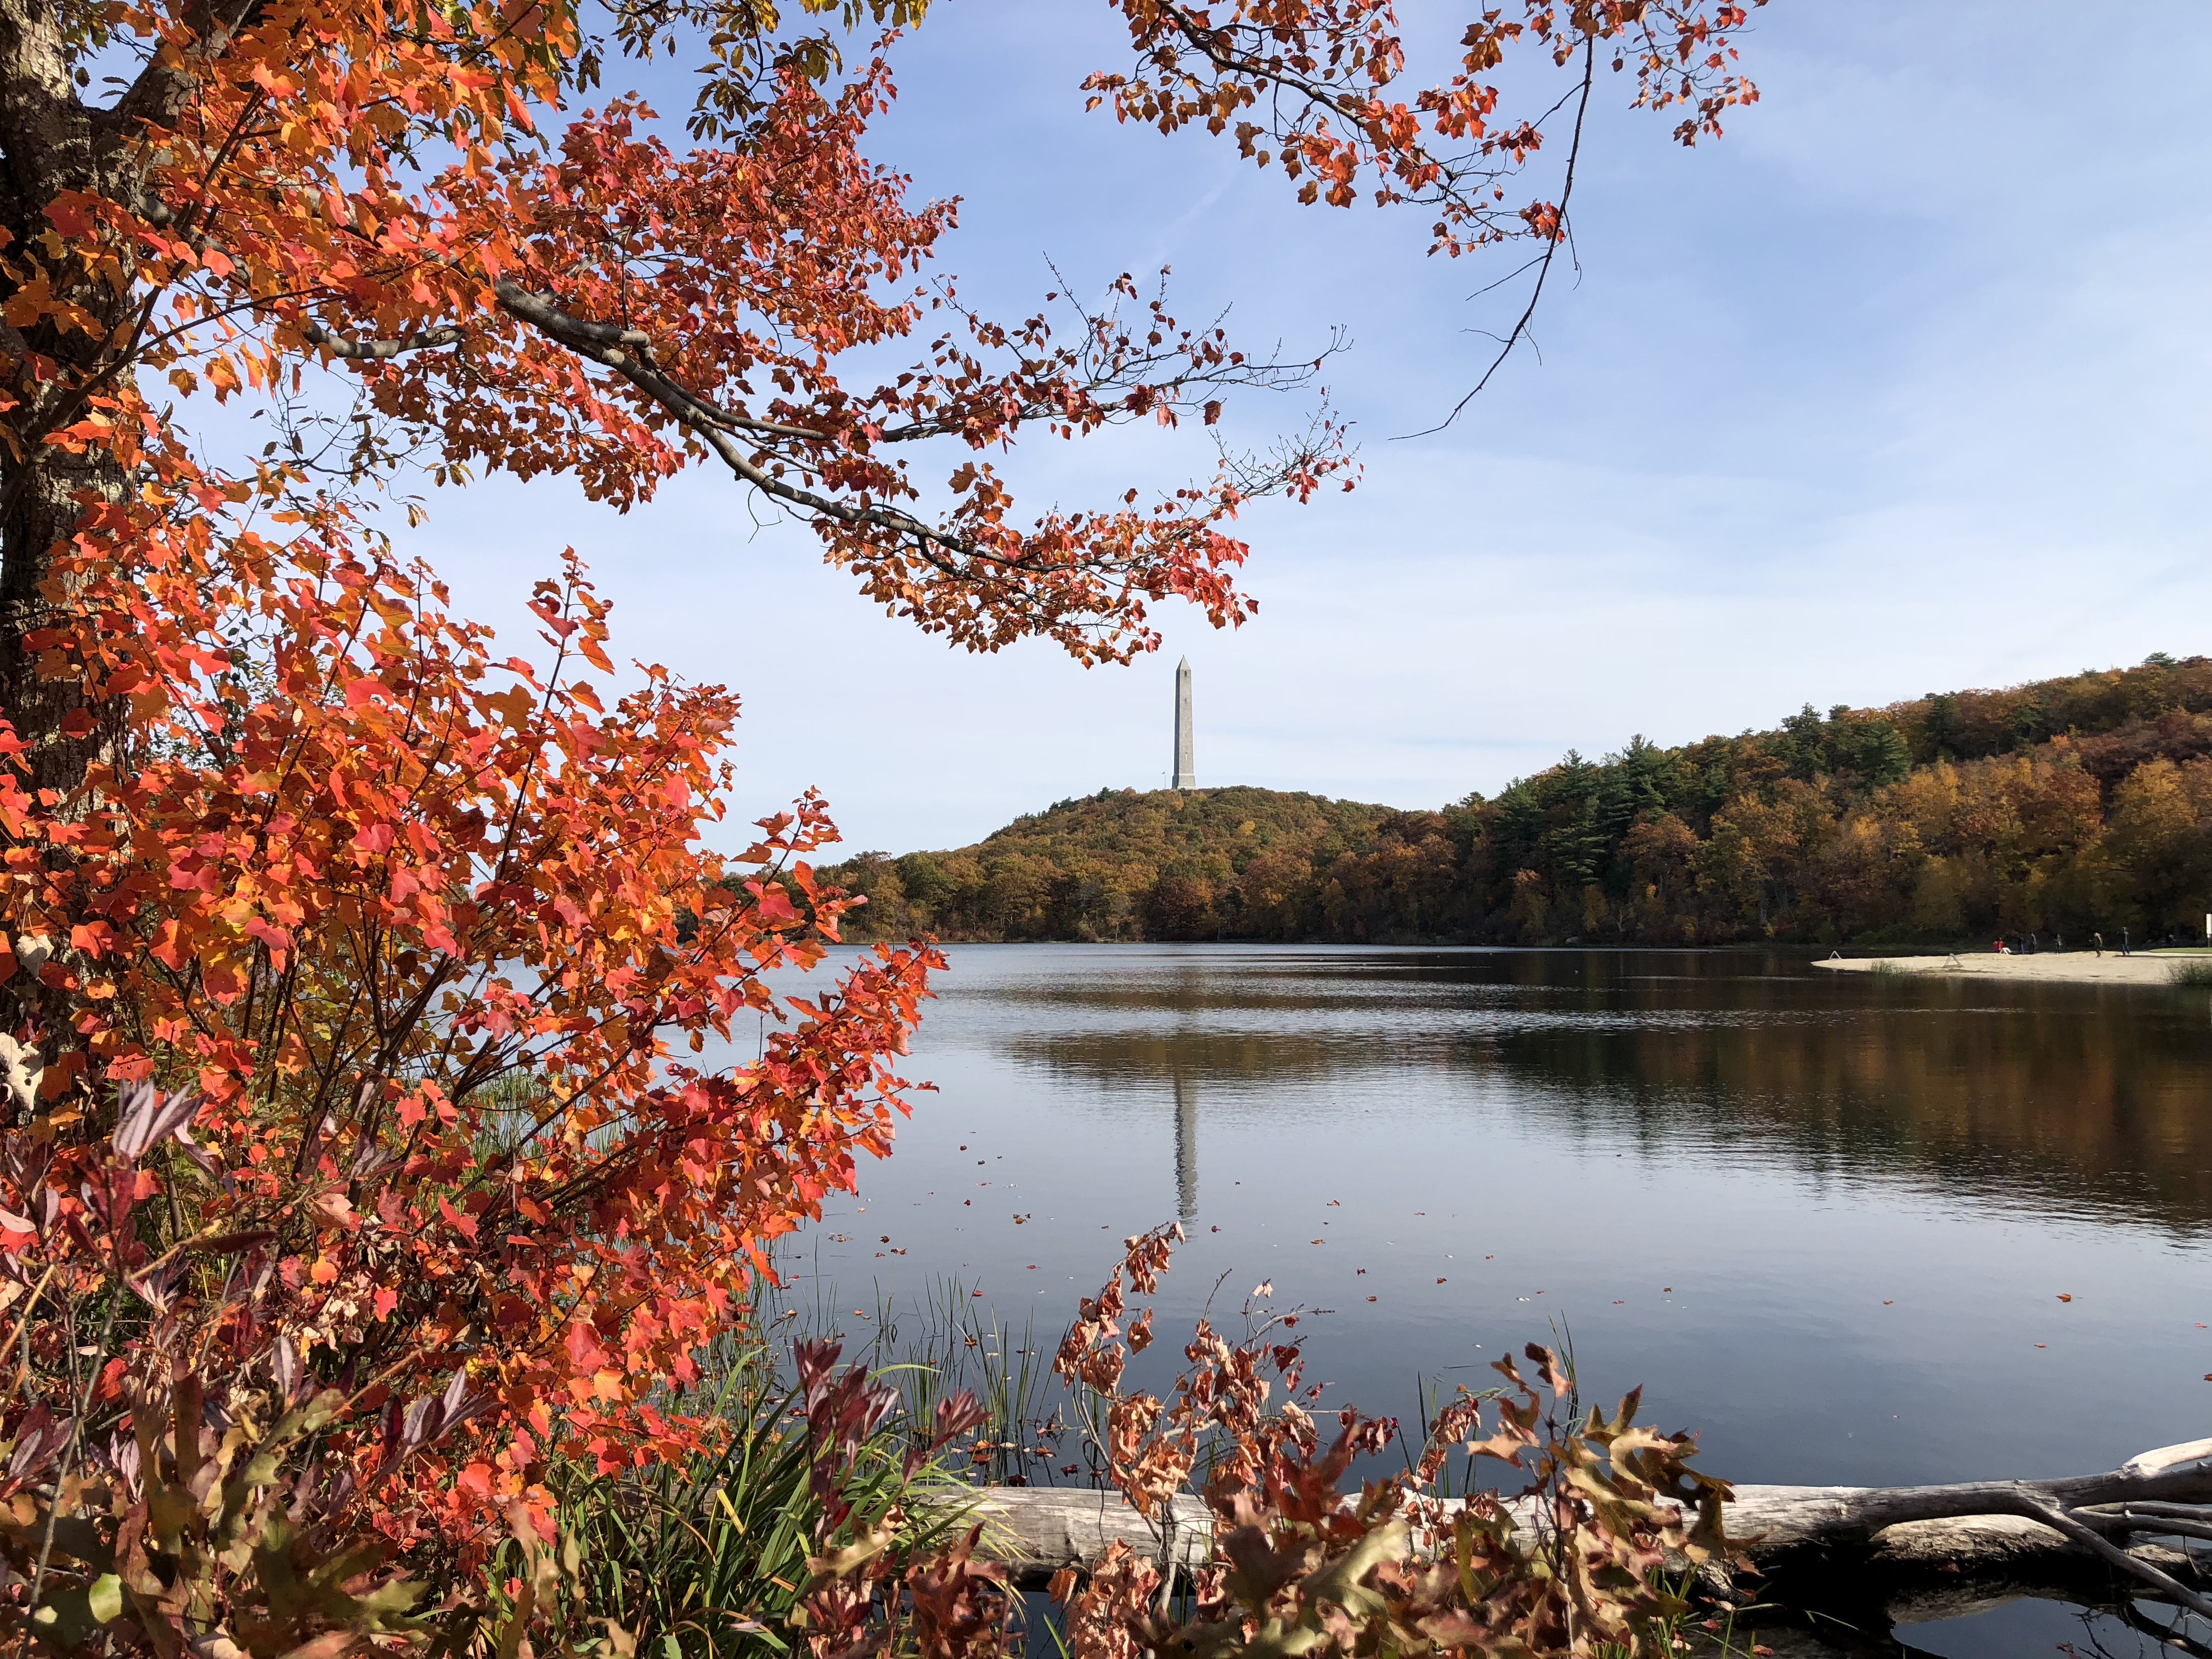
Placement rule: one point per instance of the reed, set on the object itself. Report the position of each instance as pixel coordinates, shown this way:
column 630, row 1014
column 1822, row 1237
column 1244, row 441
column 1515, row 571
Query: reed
column 708, row 1557
column 951, row 1341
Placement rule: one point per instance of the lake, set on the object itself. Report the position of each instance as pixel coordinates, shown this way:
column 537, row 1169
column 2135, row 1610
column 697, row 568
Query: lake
column 1849, row 1229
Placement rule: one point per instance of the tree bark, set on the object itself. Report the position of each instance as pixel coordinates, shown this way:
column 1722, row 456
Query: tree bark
column 51, row 143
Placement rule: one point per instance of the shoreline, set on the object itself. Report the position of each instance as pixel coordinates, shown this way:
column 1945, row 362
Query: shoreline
column 2053, row 968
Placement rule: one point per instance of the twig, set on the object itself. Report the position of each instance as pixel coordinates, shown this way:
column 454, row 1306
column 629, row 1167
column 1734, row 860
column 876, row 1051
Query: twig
column 2058, row 1520
column 1520, row 329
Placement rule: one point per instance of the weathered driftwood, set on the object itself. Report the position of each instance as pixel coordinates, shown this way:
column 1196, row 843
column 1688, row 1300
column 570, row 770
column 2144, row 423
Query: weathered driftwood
column 2005, row 1528
column 1775, row 1519
column 1037, row 1531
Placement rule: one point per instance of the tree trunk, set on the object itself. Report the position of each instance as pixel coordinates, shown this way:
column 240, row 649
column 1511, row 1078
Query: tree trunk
column 50, row 144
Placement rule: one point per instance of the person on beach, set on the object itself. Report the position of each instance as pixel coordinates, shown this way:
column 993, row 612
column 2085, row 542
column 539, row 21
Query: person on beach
column 2100, row 937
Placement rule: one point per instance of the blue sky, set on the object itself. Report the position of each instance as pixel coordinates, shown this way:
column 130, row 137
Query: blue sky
column 1901, row 386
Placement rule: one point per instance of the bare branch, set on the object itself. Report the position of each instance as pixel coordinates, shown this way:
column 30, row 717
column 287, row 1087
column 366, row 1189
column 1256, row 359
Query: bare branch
column 379, row 350
column 1520, row 329
column 624, row 350
column 2035, row 1507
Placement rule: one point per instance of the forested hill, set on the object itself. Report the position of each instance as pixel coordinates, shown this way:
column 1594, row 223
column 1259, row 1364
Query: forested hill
column 2051, row 808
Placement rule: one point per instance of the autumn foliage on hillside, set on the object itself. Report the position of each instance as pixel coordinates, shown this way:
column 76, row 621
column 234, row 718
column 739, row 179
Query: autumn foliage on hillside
column 2058, row 808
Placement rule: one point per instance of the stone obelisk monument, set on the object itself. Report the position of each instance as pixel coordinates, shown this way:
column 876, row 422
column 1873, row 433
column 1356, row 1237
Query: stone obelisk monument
column 1186, row 768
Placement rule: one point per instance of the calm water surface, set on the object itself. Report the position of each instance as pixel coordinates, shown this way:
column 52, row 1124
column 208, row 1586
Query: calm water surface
column 1829, row 1222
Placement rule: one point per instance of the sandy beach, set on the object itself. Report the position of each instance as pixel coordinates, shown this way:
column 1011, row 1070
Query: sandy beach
column 2070, row 967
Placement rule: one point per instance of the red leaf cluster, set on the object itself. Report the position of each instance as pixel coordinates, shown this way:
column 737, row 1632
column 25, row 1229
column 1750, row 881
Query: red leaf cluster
column 433, row 945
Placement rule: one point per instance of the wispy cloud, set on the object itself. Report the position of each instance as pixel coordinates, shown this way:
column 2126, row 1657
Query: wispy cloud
column 1900, row 386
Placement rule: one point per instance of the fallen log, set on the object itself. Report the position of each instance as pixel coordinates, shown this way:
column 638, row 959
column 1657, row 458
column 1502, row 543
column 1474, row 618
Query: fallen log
column 1035, row 1531
column 2009, row 1528
column 1776, row 1519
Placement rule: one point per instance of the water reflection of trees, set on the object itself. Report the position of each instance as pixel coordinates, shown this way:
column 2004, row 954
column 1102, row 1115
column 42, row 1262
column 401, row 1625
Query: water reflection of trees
column 2098, row 1113
column 2062, row 1098
column 1221, row 1061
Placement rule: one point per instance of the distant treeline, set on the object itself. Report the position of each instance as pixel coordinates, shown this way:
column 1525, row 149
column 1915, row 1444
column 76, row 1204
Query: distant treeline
column 2053, row 809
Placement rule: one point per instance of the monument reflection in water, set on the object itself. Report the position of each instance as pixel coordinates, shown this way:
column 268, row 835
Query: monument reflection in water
column 1185, row 1147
